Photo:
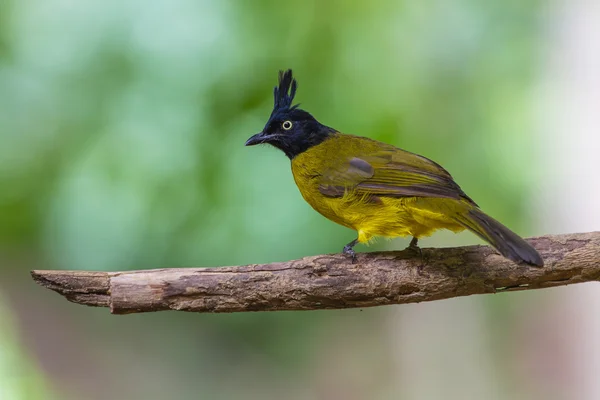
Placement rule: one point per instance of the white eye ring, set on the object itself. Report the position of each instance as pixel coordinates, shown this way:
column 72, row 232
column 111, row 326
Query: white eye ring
column 287, row 125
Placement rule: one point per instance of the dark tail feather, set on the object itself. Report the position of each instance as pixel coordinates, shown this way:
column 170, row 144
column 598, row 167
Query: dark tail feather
column 508, row 243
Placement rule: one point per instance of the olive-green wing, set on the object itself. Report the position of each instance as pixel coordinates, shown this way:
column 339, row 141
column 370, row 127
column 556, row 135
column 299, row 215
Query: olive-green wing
column 390, row 172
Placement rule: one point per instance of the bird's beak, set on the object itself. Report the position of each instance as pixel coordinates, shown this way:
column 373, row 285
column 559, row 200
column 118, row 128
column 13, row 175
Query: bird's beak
column 257, row 139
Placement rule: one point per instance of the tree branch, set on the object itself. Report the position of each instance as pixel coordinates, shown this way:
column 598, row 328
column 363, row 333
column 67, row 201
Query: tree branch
column 332, row 281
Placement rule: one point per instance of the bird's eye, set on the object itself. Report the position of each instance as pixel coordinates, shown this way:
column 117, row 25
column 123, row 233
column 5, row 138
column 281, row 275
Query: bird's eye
column 287, row 125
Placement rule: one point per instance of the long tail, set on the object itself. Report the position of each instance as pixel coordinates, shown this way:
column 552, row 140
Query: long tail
column 508, row 243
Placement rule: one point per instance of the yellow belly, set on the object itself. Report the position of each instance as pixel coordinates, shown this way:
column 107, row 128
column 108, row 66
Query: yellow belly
column 372, row 216
column 389, row 217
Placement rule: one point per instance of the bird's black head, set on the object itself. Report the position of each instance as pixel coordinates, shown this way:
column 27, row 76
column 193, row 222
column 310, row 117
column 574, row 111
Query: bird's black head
column 289, row 128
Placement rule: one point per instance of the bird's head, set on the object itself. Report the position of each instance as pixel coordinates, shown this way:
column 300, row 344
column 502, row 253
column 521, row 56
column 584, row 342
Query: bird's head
column 289, row 128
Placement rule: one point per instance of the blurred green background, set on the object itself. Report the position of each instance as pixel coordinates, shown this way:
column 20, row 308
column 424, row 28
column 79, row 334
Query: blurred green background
column 122, row 129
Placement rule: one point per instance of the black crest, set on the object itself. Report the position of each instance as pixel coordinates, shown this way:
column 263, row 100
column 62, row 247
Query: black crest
column 284, row 93
column 289, row 128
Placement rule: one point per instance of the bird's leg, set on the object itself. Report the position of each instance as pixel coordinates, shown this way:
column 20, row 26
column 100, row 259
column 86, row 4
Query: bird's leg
column 414, row 247
column 349, row 251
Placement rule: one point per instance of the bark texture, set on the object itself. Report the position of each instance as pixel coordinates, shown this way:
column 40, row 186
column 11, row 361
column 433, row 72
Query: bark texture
column 332, row 281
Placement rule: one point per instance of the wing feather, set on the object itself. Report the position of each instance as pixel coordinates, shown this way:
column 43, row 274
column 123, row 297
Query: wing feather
column 390, row 172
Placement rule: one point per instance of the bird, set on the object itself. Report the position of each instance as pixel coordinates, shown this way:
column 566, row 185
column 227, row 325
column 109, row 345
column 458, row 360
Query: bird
column 375, row 188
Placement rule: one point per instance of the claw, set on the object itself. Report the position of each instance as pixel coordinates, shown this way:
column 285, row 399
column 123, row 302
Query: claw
column 414, row 247
column 349, row 251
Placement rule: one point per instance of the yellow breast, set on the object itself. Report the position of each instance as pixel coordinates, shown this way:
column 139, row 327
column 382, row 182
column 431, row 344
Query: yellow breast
column 380, row 216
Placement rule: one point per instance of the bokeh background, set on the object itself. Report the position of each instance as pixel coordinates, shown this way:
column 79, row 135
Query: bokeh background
column 122, row 127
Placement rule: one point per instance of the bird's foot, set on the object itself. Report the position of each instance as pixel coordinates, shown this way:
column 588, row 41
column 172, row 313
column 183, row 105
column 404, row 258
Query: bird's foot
column 414, row 248
column 349, row 251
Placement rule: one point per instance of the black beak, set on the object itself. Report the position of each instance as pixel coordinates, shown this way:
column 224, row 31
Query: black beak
column 258, row 139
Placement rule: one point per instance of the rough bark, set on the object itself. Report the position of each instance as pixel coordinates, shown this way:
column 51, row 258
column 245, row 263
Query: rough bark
column 332, row 281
